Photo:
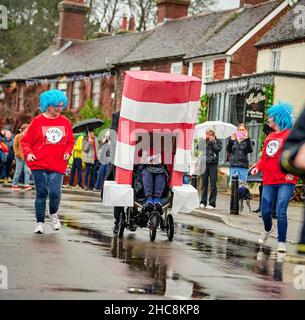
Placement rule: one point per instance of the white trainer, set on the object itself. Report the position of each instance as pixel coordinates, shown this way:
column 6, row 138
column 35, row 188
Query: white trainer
column 55, row 222
column 281, row 247
column 264, row 236
column 39, row 229
column 202, row 206
column 210, row 207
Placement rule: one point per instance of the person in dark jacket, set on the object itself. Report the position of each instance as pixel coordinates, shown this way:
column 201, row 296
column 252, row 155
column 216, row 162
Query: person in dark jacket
column 213, row 147
column 238, row 148
column 293, row 161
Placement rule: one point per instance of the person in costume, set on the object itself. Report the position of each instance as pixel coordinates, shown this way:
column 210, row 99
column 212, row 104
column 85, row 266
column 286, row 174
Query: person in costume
column 277, row 185
column 47, row 147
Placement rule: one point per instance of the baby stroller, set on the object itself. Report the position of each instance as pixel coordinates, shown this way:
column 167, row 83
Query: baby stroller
column 160, row 109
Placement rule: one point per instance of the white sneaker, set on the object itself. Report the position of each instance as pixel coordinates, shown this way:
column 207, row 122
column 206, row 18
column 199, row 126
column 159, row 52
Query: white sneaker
column 210, row 207
column 55, row 222
column 202, row 206
column 39, row 229
column 264, row 236
column 281, row 247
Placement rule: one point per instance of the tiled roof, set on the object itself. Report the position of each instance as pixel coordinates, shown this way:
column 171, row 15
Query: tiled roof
column 188, row 37
column 285, row 31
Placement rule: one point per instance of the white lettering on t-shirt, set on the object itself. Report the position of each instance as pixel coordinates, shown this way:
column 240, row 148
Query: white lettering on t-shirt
column 272, row 148
column 54, row 135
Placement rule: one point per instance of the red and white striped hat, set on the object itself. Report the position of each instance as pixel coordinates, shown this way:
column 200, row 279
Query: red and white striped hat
column 155, row 101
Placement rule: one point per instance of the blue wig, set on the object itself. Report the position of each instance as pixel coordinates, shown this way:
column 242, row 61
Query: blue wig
column 52, row 98
column 281, row 115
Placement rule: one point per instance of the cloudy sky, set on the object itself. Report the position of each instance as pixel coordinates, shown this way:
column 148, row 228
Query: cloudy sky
column 226, row 4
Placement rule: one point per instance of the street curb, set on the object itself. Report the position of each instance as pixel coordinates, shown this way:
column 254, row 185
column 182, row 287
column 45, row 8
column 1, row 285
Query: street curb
column 290, row 258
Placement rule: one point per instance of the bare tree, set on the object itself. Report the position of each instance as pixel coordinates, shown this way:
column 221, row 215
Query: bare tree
column 104, row 14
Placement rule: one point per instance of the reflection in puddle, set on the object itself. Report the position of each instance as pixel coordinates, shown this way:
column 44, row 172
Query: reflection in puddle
column 148, row 258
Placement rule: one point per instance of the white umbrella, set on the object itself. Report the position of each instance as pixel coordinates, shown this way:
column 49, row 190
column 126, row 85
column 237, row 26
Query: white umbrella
column 222, row 130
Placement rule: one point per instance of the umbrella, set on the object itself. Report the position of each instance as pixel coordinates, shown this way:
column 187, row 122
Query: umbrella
column 87, row 125
column 222, row 130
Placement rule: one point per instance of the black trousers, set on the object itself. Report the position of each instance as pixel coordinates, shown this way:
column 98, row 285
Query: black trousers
column 210, row 173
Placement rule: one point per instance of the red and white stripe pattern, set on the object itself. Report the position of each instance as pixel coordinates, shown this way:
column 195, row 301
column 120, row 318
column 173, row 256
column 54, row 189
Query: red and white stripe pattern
column 154, row 101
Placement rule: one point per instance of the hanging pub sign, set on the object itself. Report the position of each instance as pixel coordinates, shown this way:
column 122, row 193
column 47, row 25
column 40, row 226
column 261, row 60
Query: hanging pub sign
column 255, row 105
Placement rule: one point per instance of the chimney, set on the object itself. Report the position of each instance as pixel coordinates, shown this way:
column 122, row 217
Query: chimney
column 124, row 23
column 244, row 3
column 72, row 18
column 172, row 9
column 131, row 26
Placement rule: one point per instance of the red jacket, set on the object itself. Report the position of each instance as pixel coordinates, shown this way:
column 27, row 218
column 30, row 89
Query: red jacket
column 48, row 139
column 269, row 163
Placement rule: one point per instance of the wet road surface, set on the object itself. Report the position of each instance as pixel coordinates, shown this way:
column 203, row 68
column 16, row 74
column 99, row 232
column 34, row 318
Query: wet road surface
column 206, row 260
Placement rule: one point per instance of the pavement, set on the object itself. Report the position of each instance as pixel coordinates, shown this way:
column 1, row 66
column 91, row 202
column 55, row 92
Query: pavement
column 245, row 221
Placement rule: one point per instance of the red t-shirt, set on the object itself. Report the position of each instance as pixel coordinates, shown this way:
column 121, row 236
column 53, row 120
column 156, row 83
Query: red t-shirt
column 269, row 163
column 48, row 139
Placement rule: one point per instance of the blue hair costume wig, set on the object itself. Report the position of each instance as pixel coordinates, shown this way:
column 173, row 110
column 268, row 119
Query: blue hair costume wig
column 281, row 115
column 52, row 98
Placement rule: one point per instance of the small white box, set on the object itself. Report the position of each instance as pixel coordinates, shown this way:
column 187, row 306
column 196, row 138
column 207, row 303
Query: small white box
column 185, row 200
column 117, row 195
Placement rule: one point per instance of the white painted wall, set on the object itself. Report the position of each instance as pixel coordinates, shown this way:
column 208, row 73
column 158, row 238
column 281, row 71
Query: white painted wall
column 291, row 90
column 292, row 58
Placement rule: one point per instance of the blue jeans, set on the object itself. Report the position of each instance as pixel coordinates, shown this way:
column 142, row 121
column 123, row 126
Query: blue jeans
column 153, row 184
column 242, row 173
column 76, row 166
column 21, row 165
column 284, row 193
column 47, row 183
column 101, row 177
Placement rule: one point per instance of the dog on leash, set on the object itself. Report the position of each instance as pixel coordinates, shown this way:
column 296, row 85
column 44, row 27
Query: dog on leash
column 244, row 195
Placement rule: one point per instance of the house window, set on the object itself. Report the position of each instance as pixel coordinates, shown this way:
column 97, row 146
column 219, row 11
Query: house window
column 176, row 68
column 275, row 60
column 208, row 67
column 76, row 94
column 63, row 87
column 135, row 68
column 96, row 92
column 21, row 98
column 52, row 85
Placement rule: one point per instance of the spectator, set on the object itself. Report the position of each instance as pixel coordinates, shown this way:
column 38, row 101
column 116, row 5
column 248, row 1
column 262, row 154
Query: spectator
column 89, row 154
column 213, row 147
column 77, row 165
column 238, row 148
column 20, row 162
column 7, row 168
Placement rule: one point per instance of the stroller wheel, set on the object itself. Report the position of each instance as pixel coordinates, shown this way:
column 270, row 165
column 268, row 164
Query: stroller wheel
column 153, row 225
column 170, row 227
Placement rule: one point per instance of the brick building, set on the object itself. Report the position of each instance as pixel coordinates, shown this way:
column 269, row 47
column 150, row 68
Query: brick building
column 213, row 46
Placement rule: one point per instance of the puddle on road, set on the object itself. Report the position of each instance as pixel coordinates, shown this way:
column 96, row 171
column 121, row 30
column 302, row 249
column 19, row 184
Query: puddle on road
column 141, row 258
column 240, row 259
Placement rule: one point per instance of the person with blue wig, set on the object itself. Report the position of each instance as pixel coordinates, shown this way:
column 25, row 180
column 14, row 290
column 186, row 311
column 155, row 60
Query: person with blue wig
column 278, row 186
column 47, row 147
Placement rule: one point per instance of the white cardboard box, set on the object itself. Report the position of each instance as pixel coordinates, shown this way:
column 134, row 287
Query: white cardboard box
column 185, row 200
column 117, row 195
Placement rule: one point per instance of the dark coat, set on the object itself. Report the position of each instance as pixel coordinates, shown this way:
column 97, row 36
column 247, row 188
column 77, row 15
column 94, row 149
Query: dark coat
column 238, row 152
column 212, row 151
column 292, row 145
